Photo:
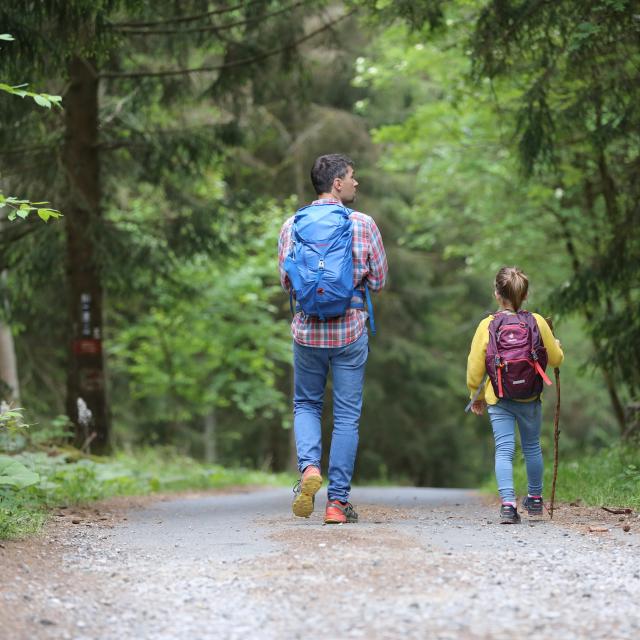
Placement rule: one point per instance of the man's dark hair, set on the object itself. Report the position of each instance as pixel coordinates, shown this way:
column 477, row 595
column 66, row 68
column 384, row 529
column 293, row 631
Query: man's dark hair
column 326, row 169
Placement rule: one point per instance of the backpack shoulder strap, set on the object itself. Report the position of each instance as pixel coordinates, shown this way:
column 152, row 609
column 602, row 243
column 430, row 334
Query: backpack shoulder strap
column 494, row 324
column 529, row 319
column 372, row 322
column 536, row 343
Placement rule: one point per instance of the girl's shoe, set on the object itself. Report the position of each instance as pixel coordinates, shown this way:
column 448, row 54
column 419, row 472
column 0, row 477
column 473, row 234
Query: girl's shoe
column 339, row 512
column 305, row 492
column 533, row 505
column 509, row 514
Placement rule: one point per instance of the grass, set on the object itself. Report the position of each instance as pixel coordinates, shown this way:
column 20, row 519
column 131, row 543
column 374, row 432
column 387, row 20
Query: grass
column 607, row 477
column 66, row 479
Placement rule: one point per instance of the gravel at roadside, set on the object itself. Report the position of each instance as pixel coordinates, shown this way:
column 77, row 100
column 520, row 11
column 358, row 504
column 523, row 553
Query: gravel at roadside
column 421, row 563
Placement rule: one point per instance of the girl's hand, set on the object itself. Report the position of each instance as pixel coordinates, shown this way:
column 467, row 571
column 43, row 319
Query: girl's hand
column 478, row 407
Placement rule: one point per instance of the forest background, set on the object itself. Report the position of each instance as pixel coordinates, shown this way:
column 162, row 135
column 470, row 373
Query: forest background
column 484, row 133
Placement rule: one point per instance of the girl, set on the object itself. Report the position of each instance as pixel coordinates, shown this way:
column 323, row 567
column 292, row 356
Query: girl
column 505, row 400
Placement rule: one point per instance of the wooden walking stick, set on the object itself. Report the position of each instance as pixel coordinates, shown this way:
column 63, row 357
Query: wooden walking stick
column 556, row 434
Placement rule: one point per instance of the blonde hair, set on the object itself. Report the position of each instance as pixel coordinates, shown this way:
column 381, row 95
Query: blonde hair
column 512, row 285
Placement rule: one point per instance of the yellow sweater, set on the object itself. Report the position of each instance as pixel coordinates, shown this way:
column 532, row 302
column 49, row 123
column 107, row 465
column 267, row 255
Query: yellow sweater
column 476, row 360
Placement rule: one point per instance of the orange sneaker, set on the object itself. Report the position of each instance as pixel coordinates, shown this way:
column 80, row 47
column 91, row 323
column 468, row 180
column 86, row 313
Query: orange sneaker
column 339, row 512
column 305, row 492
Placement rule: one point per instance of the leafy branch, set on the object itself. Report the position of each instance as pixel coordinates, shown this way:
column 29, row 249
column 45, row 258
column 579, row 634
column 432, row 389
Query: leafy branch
column 19, row 208
column 42, row 99
column 22, row 208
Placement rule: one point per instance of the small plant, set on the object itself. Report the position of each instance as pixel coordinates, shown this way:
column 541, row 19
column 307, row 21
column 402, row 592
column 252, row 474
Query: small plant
column 57, row 432
column 630, row 478
column 11, row 419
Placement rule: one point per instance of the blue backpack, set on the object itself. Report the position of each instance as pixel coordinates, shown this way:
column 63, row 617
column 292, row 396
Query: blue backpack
column 320, row 263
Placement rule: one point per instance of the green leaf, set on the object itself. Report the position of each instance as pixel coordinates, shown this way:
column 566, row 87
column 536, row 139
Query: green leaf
column 55, row 100
column 42, row 101
column 6, row 36
column 15, row 474
column 12, row 216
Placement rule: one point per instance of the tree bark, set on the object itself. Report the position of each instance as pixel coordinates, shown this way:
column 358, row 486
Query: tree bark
column 86, row 389
column 616, row 404
column 210, row 424
column 608, row 192
column 9, row 384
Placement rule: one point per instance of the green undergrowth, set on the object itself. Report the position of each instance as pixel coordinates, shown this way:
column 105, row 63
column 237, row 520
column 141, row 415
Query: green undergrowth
column 607, row 477
column 67, row 478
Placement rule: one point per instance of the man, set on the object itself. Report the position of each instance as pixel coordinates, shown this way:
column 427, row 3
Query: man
column 339, row 344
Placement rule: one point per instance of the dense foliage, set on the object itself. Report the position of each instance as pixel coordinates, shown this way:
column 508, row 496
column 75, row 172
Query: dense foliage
column 484, row 133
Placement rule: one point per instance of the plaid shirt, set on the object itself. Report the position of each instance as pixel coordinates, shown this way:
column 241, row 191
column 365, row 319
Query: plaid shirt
column 369, row 262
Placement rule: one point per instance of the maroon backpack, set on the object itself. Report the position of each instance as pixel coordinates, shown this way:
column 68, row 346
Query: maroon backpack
column 516, row 357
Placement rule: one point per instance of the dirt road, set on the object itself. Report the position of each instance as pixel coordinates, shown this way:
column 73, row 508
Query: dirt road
column 422, row 563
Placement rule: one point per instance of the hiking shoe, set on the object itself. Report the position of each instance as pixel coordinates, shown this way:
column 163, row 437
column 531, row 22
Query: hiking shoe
column 533, row 505
column 339, row 512
column 509, row 514
column 305, row 492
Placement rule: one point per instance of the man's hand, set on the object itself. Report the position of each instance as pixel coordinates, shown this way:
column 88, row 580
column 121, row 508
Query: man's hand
column 478, row 407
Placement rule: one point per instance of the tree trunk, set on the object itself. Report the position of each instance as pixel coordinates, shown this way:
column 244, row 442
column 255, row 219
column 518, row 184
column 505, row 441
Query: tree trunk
column 210, row 424
column 86, row 392
column 616, row 404
column 9, row 384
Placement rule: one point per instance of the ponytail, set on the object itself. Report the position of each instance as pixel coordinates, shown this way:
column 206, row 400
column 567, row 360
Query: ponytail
column 512, row 285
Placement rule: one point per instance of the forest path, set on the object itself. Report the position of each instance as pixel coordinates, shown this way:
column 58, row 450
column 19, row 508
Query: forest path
column 422, row 563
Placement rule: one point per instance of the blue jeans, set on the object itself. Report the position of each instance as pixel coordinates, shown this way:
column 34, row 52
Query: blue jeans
column 311, row 366
column 504, row 416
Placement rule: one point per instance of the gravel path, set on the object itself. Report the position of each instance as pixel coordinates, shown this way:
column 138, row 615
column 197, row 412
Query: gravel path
column 422, row 563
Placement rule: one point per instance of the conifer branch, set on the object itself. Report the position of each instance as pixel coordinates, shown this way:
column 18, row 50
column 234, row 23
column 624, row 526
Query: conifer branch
column 179, row 20
column 227, row 65
column 212, row 27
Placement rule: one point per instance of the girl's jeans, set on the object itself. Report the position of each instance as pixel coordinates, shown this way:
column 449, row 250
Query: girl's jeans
column 311, row 367
column 504, row 416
